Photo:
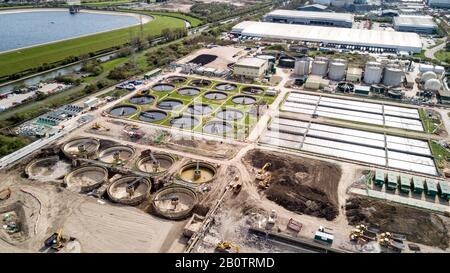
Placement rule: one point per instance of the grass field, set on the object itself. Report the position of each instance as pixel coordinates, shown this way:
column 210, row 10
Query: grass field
column 440, row 154
column 29, row 58
column 443, row 55
column 192, row 20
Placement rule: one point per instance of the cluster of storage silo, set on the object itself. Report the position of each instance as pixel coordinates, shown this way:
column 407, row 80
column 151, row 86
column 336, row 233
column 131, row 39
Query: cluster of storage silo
column 389, row 75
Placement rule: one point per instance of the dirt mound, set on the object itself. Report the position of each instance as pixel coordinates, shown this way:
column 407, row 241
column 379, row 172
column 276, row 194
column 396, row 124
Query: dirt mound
column 418, row 226
column 300, row 185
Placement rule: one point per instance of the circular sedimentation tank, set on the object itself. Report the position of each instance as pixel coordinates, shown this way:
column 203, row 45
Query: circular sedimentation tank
column 198, row 172
column 215, row 95
column 184, row 122
column 152, row 115
column 119, row 154
column 200, row 83
column 81, row 147
column 226, row 86
column 162, row 164
column 169, row 104
column 129, row 190
column 345, row 87
column 48, row 168
column 163, row 87
column 86, row 178
column 123, row 110
column 218, row 127
column 176, row 79
column 199, row 109
column 230, row 114
column 144, row 99
column 252, row 90
column 188, row 91
column 174, row 202
column 286, row 62
column 245, row 100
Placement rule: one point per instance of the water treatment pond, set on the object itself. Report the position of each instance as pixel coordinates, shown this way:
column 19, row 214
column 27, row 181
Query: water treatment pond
column 33, row 27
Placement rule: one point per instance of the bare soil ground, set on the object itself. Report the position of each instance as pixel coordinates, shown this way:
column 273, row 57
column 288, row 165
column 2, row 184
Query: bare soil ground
column 299, row 184
column 418, row 226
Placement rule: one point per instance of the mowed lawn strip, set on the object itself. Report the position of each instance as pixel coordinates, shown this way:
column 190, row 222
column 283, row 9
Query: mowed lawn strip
column 24, row 59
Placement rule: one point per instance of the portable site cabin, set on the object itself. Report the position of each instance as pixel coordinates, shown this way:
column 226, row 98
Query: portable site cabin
column 405, row 183
column 418, row 184
column 444, row 188
column 323, row 237
column 392, row 181
column 153, row 73
column 431, row 187
column 380, row 177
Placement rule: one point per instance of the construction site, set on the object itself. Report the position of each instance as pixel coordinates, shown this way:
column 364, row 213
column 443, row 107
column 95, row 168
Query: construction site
column 207, row 163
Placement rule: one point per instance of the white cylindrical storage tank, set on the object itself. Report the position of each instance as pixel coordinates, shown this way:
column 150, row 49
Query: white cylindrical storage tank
column 302, row 66
column 392, row 76
column 425, row 67
column 337, row 70
column 439, row 69
column 373, row 73
column 433, row 85
column 428, row 76
column 319, row 68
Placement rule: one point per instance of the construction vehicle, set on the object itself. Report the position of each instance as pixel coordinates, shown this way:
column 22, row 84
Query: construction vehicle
column 227, row 247
column 362, row 234
column 57, row 241
column 264, row 184
column 133, row 132
column 387, row 240
column 98, row 126
column 272, row 217
column 236, row 185
column 260, row 175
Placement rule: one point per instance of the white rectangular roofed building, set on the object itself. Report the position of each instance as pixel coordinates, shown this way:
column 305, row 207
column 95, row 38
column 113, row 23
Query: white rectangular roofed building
column 414, row 23
column 310, row 18
column 397, row 41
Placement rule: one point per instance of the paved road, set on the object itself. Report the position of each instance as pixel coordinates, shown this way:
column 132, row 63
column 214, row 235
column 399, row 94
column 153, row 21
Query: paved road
column 429, row 53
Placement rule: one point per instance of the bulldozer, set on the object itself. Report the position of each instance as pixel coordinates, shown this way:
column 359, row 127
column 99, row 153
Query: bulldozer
column 387, row 240
column 362, row 234
column 227, row 247
column 263, row 176
column 57, row 241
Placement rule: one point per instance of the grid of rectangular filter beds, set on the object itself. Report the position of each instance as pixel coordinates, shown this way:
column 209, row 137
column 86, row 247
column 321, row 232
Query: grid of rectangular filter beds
column 372, row 148
column 364, row 112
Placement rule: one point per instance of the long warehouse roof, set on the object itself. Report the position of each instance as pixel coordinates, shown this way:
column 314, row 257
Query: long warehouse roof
column 415, row 21
column 348, row 36
column 334, row 16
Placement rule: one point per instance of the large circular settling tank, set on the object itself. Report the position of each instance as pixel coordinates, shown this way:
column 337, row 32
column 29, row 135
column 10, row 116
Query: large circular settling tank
column 252, row 90
column 184, row 122
column 48, row 168
column 198, row 172
column 157, row 164
column 145, row 99
column 174, row 202
column 86, row 178
column 199, row 109
column 152, row 115
column 116, row 154
column 226, row 86
column 123, row 110
column 230, row 114
column 217, row 127
column 200, row 83
column 163, row 87
column 129, row 190
column 81, row 147
column 245, row 100
column 176, row 79
column 188, row 91
column 215, row 95
column 169, row 104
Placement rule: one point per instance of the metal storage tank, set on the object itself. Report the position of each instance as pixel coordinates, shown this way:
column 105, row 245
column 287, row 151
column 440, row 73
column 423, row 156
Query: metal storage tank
column 286, row 62
column 433, row 85
column 428, row 76
column 439, row 69
column 392, row 76
column 302, row 66
column 372, row 73
column 337, row 70
column 319, row 67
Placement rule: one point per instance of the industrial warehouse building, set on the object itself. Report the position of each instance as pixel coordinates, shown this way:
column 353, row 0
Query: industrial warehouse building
column 439, row 3
column 359, row 38
column 412, row 23
column 250, row 67
column 310, row 18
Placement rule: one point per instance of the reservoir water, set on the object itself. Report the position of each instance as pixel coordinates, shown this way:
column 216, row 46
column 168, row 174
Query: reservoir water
column 24, row 29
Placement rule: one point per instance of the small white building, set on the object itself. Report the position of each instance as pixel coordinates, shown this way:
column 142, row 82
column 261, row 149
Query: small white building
column 91, row 102
column 250, row 67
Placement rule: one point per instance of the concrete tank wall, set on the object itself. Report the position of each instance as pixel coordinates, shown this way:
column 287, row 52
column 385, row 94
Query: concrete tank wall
column 319, row 68
column 392, row 76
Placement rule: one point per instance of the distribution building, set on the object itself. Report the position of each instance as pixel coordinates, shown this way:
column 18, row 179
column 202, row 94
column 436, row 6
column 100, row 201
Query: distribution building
column 413, row 23
column 250, row 67
column 331, row 19
column 439, row 3
column 360, row 38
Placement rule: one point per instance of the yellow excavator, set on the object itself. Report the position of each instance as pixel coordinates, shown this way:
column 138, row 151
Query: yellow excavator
column 263, row 176
column 56, row 241
column 98, row 126
column 224, row 246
